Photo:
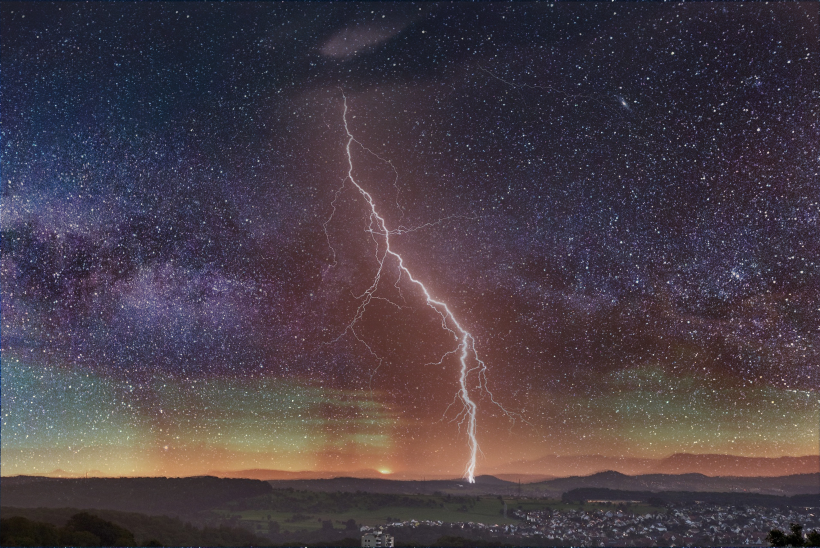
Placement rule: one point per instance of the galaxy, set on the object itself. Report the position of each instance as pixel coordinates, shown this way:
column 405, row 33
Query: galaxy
column 617, row 203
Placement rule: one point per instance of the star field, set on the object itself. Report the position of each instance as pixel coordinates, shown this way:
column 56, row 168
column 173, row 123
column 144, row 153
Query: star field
column 619, row 201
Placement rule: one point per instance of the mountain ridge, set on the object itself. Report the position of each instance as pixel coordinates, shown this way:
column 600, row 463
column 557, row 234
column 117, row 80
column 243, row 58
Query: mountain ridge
column 708, row 464
column 558, row 466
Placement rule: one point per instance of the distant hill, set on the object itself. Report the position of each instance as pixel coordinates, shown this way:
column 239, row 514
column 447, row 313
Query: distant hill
column 731, row 465
column 665, row 497
column 782, row 486
column 60, row 473
column 577, row 465
column 679, row 463
column 187, row 496
column 483, row 485
column 167, row 496
column 265, row 474
column 22, row 480
column 524, row 478
column 553, row 466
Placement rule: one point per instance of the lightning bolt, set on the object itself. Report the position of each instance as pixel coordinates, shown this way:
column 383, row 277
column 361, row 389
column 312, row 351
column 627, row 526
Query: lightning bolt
column 386, row 257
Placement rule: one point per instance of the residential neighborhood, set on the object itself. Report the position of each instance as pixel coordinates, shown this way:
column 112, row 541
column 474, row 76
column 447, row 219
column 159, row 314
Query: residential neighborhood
column 680, row 525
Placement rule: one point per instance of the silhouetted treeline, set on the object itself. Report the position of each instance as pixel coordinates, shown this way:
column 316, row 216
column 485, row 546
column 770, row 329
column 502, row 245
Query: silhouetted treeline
column 162, row 530
column 82, row 529
column 667, row 497
column 169, row 496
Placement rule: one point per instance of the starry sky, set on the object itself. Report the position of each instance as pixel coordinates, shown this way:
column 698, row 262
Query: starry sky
column 619, row 201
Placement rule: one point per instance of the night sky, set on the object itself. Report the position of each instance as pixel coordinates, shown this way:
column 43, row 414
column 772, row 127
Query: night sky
column 619, row 201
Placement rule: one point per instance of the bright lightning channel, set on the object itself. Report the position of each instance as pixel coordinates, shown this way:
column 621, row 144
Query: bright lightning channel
column 468, row 356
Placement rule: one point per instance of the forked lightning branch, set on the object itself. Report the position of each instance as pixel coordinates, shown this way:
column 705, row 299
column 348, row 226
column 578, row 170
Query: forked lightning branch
column 390, row 262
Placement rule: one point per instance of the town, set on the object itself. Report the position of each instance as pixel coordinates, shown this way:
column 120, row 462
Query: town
column 681, row 525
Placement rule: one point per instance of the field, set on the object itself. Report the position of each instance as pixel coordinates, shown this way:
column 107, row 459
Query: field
column 306, row 511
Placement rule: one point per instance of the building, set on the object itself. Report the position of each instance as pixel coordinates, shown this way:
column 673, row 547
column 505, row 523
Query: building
column 377, row 538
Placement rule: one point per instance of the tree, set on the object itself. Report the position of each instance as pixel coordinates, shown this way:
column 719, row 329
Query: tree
column 776, row 537
column 813, row 538
column 83, row 526
column 19, row 531
column 79, row 538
